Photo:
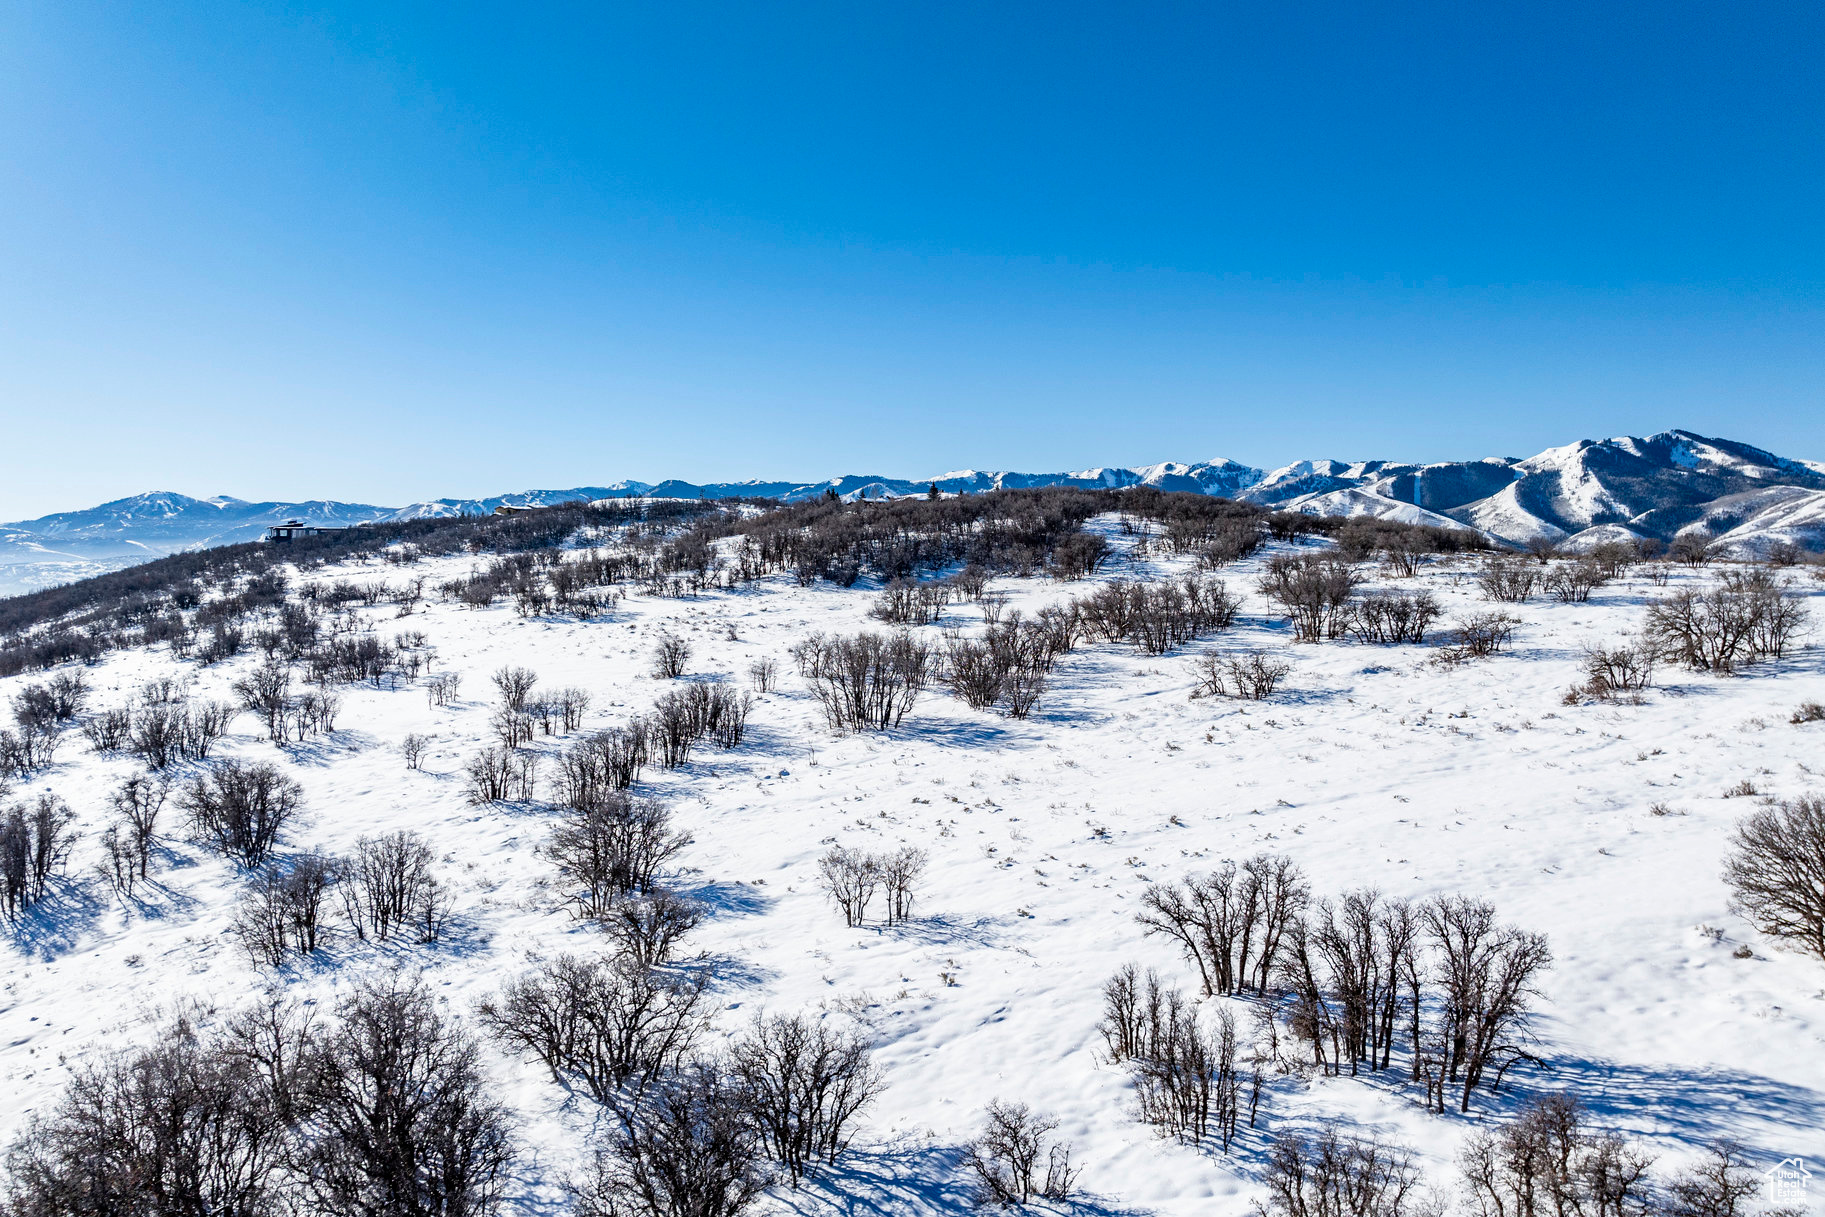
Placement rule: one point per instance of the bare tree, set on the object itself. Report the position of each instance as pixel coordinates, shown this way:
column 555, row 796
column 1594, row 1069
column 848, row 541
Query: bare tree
column 414, row 749
column 1545, row 1162
column 612, row 847
column 670, row 657
column 1011, row 1160
column 870, row 681
column 802, row 1083
column 900, row 873
column 763, row 674
column 388, row 888
column 612, row 1027
column 1330, row 1175
column 649, row 927
column 242, row 809
column 693, row 1153
column 1315, row 593
column 1486, row 973
column 139, row 800
column 396, row 1115
column 1776, row 871
column 35, row 841
column 850, row 877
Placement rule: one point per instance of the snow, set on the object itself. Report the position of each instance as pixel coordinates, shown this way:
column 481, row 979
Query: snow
column 1377, row 767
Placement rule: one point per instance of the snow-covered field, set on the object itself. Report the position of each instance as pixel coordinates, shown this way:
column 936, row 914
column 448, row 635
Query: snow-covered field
column 1375, row 767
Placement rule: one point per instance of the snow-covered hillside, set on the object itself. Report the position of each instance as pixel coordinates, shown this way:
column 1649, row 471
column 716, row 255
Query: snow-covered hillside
column 1599, row 825
column 1580, row 494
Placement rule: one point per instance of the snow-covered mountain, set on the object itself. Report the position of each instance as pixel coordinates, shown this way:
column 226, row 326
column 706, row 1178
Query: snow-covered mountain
column 1579, row 494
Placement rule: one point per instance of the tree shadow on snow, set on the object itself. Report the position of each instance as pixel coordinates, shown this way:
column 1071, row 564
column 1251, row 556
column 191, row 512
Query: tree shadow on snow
column 905, row 1178
column 1693, row 1105
column 941, row 930
column 59, row 922
column 721, row 899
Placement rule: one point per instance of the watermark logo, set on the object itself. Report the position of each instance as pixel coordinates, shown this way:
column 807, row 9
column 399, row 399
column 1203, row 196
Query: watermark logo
column 1787, row 1182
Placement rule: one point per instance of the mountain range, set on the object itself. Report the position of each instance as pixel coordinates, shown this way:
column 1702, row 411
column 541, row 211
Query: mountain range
column 1593, row 490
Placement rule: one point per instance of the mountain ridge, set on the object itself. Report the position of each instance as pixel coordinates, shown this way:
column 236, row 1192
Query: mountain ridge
column 1654, row 486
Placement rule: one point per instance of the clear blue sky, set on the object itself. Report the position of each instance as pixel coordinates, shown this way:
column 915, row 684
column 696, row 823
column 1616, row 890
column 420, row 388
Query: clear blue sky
column 385, row 251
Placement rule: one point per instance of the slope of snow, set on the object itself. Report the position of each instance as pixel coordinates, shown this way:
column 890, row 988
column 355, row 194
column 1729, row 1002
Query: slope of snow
column 1375, row 767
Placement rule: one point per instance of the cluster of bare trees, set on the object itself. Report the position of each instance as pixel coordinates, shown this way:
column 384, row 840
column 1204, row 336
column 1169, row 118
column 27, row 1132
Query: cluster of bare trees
column 866, row 682
column 1244, row 673
column 240, row 809
column 385, row 890
column 1186, row 1080
column 1007, row 665
column 382, row 1108
column 1155, row 618
column 611, row 845
column 1743, row 618
column 1353, row 979
column 266, row 693
column 906, row 602
column 1314, row 591
column 35, row 840
column 851, row 877
column 713, row 710
column 1393, row 617
column 40, row 713
column 1478, row 636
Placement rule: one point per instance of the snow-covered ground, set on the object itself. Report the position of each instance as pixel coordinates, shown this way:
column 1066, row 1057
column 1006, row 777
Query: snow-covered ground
column 1376, row 767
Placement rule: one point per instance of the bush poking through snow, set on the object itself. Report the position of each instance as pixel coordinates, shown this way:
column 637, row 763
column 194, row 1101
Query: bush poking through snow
column 612, row 1027
column 867, row 682
column 1508, row 580
column 693, row 1153
column 1479, row 636
column 1626, row 667
column 670, row 657
column 611, row 847
column 515, row 686
column 1546, row 1160
column 1246, row 674
column 388, row 889
column 1012, row 1163
column 1394, row 617
column 1809, row 712
column 1746, row 617
column 1776, row 871
column 35, row 840
column 502, row 775
column 1332, row 1174
column 241, row 809
column 802, row 1083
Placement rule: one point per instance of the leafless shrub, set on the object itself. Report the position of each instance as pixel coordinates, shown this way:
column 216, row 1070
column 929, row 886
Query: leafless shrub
column 177, row 1126
column 850, row 877
column 1314, row 592
column 670, row 657
column 502, row 775
column 35, row 841
column 515, row 686
column 1692, row 548
column 613, row 847
column 1545, row 1161
column 604, row 762
column 1230, row 922
column 612, row 1027
column 1625, row 667
column 1776, row 870
column 282, row 908
column 1508, row 580
column 108, row 730
column 1247, row 674
column 388, row 889
column 905, row 602
column 1012, row 1162
column 802, row 1082
column 241, row 809
column 1478, row 636
column 868, row 682
column 1747, row 616
column 1337, row 1176
column 1394, row 617
column 512, row 727
column 395, row 1114
column 649, row 927
column 692, row 1153
column 1573, row 582
column 900, row 873
column 1809, row 712
column 138, row 801
column 763, row 674
column 441, row 689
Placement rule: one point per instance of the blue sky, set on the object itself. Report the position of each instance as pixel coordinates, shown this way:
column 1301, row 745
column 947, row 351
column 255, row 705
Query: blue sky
column 388, row 251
